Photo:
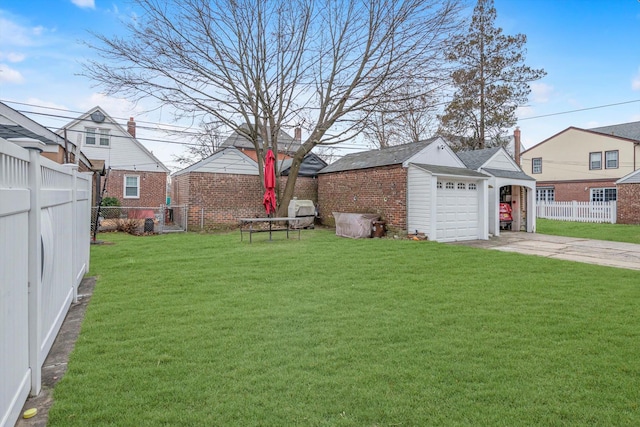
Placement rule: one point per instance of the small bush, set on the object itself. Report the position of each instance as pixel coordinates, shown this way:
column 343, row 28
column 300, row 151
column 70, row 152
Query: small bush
column 110, row 207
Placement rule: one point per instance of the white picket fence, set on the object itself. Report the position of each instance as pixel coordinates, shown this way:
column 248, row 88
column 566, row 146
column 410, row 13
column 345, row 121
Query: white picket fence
column 44, row 254
column 578, row 211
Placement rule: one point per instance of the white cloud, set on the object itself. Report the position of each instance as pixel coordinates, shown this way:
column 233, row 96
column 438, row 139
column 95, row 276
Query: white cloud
column 9, row 75
column 85, row 4
column 12, row 56
column 635, row 83
column 115, row 107
column 540, row 92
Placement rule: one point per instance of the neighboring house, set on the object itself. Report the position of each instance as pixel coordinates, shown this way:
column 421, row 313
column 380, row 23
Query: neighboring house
column 507, row 184
column 628, row 209
column 134, row 175
column 583, row 164
column 18, row 128
column 287, row 146
column 421, row 187
column 226, row 186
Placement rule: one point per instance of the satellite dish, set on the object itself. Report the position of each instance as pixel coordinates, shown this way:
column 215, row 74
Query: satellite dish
column 97, row 116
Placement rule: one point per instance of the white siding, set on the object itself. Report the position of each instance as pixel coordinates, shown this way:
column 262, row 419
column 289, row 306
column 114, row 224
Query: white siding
column 123, row 152
column 501, row 161
column 419, row 201
column 437, row 153
column 229, row 161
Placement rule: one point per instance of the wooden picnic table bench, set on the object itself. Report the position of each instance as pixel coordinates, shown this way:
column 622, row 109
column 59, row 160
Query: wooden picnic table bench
column 270, row 230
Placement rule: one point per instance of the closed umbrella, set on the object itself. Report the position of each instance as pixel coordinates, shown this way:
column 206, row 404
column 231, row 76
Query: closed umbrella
column 269, row 200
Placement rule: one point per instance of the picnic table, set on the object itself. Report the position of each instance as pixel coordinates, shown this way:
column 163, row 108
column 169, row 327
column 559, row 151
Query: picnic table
column 252, row 221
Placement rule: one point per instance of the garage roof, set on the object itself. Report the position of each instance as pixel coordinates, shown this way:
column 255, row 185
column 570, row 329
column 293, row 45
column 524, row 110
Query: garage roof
column 474, row 159
column 381, row 157
column 502, row 173
column 450, row 171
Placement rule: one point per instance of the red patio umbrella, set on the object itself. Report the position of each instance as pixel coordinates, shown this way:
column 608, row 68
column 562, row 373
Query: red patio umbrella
column 269, row 200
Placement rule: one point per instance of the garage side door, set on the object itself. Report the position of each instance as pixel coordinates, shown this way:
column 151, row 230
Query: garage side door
column 457, row 210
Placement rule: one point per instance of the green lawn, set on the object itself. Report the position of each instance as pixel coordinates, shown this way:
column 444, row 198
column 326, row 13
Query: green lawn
column 613, row 232
column 203, row 330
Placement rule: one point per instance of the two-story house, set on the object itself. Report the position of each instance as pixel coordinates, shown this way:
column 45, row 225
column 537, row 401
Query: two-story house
column 583, row 164
column 134, row 175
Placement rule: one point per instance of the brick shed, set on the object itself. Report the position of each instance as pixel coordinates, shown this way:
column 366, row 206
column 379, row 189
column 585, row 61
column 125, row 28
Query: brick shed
column 226, row 186
column 628, row 204
column 419, row 187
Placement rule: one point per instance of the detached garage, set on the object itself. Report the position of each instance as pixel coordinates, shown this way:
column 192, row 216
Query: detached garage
column 416, row 188
column 449, row 202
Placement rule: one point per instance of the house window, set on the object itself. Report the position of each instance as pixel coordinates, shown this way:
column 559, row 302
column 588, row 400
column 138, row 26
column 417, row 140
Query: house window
column 545, row 194
column 611, row 159
column 462, row 186
column 90, row 136
column 131, row 187
column 536, row 165
column 472, row 186
column 93, row 135
column 104, row 137
column 595, row 160
column 450, row 186
column 604, row 194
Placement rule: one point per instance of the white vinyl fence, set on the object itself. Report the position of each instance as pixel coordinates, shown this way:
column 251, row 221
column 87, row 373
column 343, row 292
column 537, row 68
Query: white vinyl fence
column 578, row 211
column 44, row 254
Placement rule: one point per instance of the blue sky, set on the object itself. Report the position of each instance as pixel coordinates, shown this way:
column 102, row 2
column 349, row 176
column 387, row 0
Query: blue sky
column 589, row 48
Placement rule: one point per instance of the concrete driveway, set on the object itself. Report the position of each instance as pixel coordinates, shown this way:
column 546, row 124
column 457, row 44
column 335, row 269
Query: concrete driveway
column 600, row 252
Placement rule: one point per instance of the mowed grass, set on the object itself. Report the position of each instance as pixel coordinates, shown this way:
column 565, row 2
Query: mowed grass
column 613, row 232
column 189, row 329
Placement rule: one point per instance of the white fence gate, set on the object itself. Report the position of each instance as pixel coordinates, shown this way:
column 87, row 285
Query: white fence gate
column 44, row 254
column 578, row 211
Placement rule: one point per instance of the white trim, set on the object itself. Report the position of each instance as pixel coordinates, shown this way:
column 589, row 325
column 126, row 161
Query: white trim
column 124, row 186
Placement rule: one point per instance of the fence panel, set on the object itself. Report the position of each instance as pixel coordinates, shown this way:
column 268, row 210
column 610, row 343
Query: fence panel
column 578, row 211
column 44, row 253
column 141, row 220
column 14, row 304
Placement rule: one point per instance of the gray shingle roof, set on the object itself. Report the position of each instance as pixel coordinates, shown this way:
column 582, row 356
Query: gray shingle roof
column 501, row 173
column 449, row 170
column 625, row 130
column 632, row 178
column 15, row 131
column 474, row 159
column 285, row 142
column 374, row 158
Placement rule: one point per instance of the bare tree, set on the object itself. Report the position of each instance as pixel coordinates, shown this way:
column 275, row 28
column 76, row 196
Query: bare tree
column 272, row 63
column 206, row 143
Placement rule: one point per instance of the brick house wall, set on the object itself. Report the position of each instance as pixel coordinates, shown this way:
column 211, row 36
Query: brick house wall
column 628, row 205
column 380, row 190
column 570, row 191
column 218, row 200
column 153, row 188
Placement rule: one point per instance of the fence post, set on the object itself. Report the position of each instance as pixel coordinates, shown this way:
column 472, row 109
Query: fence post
column 73, row 168
column 35, row 263
column 614, row 212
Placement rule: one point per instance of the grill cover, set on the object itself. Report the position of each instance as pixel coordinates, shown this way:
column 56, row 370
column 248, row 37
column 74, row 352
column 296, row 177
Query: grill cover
column 304, row 209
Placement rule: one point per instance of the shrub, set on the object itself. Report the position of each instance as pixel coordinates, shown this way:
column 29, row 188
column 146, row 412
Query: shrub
column 110, row 207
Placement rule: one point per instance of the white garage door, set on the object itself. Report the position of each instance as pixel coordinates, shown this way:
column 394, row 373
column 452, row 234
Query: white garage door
column 457, row 210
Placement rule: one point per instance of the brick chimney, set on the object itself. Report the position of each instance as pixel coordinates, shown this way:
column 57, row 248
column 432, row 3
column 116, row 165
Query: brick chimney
column 298, row 134
column 516, row 145
column 131, row 127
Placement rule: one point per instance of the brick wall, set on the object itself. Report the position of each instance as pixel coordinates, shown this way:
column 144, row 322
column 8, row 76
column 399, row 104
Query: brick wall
column 570, row 191
column 218, row 200
column 628, row 204
column 153, row 188
column 380, row 190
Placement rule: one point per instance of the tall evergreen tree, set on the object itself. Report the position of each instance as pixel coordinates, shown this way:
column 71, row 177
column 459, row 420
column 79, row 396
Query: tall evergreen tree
column 490, row 81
